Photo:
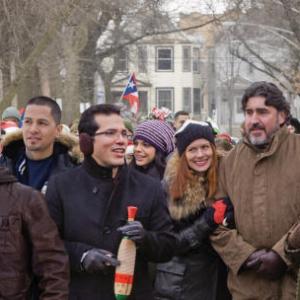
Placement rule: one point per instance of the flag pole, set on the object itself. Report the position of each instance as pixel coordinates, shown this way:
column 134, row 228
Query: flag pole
column 120, row 100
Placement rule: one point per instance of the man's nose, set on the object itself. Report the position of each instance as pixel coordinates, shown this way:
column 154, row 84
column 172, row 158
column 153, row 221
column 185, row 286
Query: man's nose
column 121, row 139
column 33, row 127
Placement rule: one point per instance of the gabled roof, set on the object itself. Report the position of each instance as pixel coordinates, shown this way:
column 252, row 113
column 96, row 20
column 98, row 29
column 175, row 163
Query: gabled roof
column 124, row 80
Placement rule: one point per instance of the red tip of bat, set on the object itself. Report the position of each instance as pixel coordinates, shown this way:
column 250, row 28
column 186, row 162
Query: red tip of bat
column 131, row 212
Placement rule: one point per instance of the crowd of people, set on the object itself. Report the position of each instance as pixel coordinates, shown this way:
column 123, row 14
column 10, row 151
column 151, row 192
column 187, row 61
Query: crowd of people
column 216, row 220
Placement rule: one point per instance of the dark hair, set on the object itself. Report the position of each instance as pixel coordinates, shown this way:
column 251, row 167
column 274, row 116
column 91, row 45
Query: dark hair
column 181, row 113
column 274, row 96
column 87, row 123
column 51, row 103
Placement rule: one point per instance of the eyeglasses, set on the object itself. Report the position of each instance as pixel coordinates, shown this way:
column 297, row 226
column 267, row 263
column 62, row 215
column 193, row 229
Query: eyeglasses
column 113, row 134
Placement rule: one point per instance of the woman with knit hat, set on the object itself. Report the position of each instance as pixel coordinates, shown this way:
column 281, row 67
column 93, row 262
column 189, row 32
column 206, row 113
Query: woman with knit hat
column 196, row 272
column 153, row 141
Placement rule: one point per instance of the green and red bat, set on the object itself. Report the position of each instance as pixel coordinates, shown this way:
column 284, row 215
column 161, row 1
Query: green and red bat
column 126, row 256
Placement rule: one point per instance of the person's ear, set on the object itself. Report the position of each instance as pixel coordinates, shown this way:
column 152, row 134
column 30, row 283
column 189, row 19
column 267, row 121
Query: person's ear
column 282, row 117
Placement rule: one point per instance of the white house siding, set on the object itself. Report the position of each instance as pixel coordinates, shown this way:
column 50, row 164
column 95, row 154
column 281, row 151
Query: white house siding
column 175, row 79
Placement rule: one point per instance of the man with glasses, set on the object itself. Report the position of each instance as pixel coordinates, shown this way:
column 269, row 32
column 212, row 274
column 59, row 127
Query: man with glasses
column 89, row 205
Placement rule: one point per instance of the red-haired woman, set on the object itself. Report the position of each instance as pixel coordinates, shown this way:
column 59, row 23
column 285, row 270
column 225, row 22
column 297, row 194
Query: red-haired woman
column 196, row 272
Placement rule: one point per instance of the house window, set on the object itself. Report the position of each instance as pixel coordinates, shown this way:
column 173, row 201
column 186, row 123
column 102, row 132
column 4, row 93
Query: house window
column 122, row 60
column 142, row 59
column 164, row 97
column 143, row 96
column 197, row 101
column 187, row 99
column 196, row 60
column 186, row 59
column 164, row 59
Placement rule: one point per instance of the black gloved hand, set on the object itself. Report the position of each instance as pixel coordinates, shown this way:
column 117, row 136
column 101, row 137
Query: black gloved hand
column 272, row 266
column 134, row 230
column 220, row 213
column 193, row 235
column 253, row 261
column 98, row 260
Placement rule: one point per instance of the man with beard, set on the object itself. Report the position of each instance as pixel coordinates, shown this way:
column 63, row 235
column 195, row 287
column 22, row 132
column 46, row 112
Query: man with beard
column 89, row 205
column 261, row 176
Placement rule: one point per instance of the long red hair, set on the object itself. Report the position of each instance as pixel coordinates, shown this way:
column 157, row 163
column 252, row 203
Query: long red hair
column 184, row 174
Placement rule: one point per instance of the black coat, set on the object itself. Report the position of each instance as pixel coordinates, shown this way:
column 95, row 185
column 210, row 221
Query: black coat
column 88, row 207
column 195, row 273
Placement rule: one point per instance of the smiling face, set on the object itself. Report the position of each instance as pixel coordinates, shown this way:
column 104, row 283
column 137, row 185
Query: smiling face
column 261, row 121
column 144, row 153
column 109, row 149
column 39, row 131
column 199, row 155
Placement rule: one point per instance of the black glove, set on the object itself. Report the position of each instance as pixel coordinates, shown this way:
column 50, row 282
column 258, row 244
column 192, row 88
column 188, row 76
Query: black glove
column 220, row 213
column 253, row 261
column 192, row 236
column 98, row 260
column 272, row 266
column 134, row 230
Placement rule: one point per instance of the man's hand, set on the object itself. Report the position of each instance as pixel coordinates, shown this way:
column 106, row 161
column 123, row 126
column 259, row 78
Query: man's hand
column 253, row 261
column 134, row 230
column 98, row 260
column 272, row 266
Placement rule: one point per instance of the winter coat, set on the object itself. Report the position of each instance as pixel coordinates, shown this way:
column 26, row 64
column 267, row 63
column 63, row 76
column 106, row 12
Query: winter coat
column 66, row 153
column 264, row 188
column 29, row 244
column 196, row 272
column 88, row 206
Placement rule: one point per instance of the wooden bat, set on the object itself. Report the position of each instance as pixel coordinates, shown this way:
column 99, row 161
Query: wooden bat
column 126, row 255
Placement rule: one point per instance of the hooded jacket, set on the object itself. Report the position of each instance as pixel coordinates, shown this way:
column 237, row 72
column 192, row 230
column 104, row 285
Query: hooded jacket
column 66, row 153
column 29, row 244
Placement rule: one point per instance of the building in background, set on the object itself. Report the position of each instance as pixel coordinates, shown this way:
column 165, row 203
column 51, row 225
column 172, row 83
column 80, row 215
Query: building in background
column 169, row 73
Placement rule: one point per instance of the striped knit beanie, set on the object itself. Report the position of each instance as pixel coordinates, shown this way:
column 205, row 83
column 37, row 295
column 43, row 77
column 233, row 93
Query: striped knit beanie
column 157, row 133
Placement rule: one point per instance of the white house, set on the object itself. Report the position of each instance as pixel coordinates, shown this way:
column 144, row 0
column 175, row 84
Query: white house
column 168, row 72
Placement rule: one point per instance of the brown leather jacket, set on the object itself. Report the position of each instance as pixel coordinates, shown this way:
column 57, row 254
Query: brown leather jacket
column 29, row 244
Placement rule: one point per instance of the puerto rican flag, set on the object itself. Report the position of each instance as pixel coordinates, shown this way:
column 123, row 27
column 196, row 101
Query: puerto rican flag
column 131, row 94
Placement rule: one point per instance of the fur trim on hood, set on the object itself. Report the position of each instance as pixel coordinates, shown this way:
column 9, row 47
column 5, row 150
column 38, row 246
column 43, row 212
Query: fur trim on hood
column 194, row 197
column 70, row 141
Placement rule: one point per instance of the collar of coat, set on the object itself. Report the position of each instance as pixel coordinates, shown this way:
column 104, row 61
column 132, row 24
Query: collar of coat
column 6, row 176
column 194, row 197
column 65, row 143
column 95, row 170
column 279, row 137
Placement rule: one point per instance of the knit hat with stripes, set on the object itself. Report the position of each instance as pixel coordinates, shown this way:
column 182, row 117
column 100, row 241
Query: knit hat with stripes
column 157, row 133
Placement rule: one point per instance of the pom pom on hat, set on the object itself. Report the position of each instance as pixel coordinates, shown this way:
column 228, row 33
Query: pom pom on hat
column 191, row 131
column 157, row 133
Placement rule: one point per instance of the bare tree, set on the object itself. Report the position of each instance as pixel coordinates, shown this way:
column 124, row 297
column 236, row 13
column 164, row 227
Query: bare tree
column 274, row 28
